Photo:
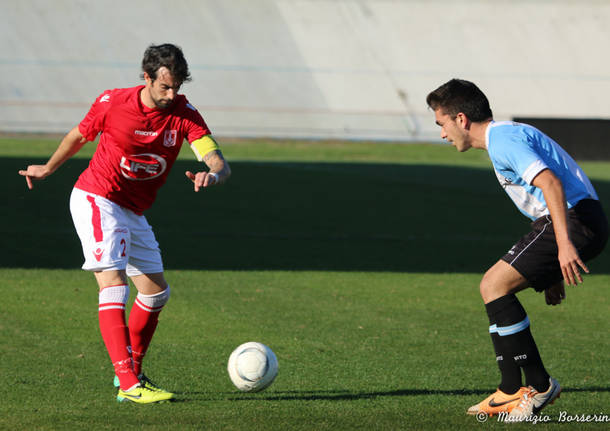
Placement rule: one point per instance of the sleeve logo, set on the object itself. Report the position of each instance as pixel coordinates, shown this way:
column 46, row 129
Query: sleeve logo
column 141, row 167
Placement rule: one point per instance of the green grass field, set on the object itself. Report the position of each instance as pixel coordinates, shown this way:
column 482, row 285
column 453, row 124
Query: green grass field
column 357, row 263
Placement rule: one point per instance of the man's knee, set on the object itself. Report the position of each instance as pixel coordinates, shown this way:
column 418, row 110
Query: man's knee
column 110, row 278
column 500, row 280
column 150, row 284
column 489, row 287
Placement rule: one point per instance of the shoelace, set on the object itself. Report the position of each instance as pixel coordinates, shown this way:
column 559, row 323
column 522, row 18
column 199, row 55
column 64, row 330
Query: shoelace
column 527, row 397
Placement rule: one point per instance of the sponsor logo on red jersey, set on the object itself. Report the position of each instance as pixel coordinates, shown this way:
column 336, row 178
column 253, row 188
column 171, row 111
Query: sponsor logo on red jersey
column 145, row 166
column 145, row 133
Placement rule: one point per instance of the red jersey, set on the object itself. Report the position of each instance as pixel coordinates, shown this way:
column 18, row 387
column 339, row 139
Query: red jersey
column 137, row 146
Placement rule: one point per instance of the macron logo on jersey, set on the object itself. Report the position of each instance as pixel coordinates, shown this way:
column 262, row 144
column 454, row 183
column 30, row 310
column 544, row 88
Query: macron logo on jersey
column 105, row 98
column 145, row 133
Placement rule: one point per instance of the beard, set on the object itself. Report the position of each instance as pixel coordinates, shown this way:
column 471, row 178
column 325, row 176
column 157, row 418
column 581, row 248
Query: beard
column 163, row 103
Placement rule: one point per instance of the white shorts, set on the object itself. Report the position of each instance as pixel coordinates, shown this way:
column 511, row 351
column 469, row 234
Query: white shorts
column 113, row 237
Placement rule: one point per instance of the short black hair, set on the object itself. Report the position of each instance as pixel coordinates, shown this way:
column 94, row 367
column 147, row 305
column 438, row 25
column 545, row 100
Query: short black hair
column 459, row 95
column 165, row 55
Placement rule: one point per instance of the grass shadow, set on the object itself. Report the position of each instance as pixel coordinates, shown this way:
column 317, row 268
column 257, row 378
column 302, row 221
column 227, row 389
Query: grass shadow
column 338, row 395
column 292, row 216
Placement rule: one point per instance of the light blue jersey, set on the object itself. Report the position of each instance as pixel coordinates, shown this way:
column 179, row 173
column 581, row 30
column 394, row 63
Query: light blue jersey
column 519, row 152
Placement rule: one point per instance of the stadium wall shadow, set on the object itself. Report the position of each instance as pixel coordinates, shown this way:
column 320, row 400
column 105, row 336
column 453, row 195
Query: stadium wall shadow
column 292, row 216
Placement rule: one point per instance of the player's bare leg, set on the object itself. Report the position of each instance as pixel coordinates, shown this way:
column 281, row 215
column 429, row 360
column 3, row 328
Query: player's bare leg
column 500, row 280
column 110, row 278
column 150, row 284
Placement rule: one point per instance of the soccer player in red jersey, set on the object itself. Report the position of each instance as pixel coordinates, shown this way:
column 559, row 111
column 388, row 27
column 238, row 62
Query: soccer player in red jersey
column 141, row 131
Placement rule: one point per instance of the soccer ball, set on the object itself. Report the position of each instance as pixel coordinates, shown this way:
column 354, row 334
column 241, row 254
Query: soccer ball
column 252, row 367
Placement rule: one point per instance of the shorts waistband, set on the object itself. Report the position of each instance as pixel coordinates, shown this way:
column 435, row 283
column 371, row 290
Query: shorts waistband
column 583, row 206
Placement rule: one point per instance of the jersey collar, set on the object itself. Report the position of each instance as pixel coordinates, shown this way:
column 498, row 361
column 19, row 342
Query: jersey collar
column 487, row 130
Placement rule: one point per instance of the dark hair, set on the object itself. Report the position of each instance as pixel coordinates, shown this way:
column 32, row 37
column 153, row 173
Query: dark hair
column 459, row 95
column 165, row 55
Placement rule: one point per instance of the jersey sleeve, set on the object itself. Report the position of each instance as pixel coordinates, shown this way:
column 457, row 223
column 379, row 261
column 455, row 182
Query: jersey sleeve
column 93, row 123
column 195, row 126
column 517, row 155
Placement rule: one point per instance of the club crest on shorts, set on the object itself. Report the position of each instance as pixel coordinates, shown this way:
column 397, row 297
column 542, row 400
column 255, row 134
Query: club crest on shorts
column 98, row 254
column 169, row 139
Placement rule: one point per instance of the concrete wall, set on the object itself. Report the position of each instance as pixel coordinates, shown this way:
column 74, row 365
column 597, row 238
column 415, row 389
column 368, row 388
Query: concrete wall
column 583, row 139
column 309, row 68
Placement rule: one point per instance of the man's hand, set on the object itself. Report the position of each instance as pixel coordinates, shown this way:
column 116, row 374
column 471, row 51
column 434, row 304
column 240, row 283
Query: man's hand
column 217, row 163
column 201, row 179
column 69, row 145
column 569, row 260
column 568, row 257
column 555, row 294
column 35, row 172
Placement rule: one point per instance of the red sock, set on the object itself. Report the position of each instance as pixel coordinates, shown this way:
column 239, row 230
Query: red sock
column 115, row 333
column 143, row 320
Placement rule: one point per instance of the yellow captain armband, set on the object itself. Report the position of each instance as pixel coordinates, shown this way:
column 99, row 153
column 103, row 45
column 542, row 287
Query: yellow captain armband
column 203, row 145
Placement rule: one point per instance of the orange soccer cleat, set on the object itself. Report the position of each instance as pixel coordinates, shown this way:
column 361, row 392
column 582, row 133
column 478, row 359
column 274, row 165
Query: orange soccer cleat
column 533, row 401
column 497, row 403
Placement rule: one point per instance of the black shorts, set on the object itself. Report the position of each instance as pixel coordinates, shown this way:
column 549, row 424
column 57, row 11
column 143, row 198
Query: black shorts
column 535, row 255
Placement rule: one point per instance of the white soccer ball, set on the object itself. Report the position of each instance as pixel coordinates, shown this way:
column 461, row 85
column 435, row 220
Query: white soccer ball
column 252, row 367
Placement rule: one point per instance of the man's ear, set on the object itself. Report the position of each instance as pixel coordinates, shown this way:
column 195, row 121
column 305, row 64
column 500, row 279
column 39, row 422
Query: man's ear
column 147, row 78
column 462, row 120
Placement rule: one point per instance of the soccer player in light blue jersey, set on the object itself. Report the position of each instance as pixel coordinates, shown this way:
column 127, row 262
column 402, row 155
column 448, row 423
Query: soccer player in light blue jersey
column 569, row 227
